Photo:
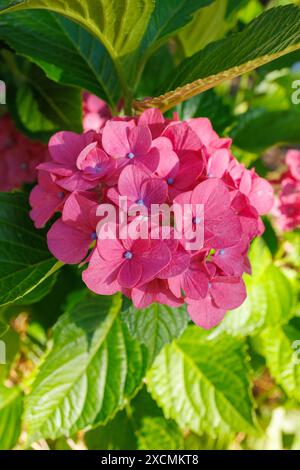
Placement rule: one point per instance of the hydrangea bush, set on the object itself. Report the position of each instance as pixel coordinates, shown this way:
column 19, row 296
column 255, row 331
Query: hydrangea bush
column 149, row 224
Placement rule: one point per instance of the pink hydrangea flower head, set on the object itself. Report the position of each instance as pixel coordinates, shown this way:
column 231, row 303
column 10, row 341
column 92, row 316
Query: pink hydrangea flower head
column 153, row 162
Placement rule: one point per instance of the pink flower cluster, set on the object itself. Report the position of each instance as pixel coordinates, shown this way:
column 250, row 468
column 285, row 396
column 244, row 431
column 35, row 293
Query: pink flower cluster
column 152, row 160
column 19, row 156
column 287, row 207
column 95, row 112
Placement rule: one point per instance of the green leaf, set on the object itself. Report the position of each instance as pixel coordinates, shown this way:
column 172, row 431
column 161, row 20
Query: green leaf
column 270, row 297
column 281, row 348
column 118, row 434
column 25, row 262
column 260, row 129
column 64, row 50
column 120, row 26
column 168, row 17
column 93, row 368
column 11, row 407
column 159, row 434
column 42, row 107
column 203, row 384
column 292, row 245
column 156, row 325
column 273, row 34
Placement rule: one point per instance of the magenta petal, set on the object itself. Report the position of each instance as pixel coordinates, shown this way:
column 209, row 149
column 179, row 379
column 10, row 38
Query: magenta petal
column 154, row 260
column 68, row 244
column 111, row 250
column 140, row 140
column 261, row 195
column 154, row 191
column 228, row 292
column 64, row 147
column 77, row 211
column 115, row 138
column 178, row 264
column 218, row 163
column 130, row 274
column 101, row 276
column 55, row 168
column 214, row 195
column 205, row 313
column 131, row 180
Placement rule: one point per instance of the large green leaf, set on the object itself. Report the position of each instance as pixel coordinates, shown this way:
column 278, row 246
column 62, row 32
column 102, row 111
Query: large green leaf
column 168, row 17
column 281, row 348
column 260, row 129
column 66, row 52
column 156, row 325
column 25, row 262
column 203, row 384
column 119, row 25
column 159, row 434
column 42, row 107
column 273, row 34
column 11, row 407
column 93, row 368
column 270, row 297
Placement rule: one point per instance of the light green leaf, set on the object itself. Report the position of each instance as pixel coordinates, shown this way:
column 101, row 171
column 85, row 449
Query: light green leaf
column 270, row 297
column 159, row 434
column 64, row 50
column 281, row 348
column 203, row 384
column 11, row 407
column 93, row 368
column 120, row 26
column 156, row 325
column 25, row 262
column 273, row 34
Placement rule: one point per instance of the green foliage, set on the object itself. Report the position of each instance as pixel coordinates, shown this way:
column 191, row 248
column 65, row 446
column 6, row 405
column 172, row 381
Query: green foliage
column 92, row 369
column 25, row 259
column 64, row 50
column 203, row 384
column 11, row 407
column 156, row 325
column 270, row 297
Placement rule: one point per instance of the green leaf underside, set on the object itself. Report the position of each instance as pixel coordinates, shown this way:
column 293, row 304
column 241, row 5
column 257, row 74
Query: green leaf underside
column 119, row 25
column 25, row 261
column 270, row 297
column 64, row 50
column 11, row 407
column 273, row 34
column 203, row 384
column 93, row 368
column 156, row 325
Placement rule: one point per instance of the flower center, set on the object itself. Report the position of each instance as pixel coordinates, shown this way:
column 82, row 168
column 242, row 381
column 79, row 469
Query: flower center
column 130, row 155
column 128, row 255
column 140, row 202
column 61, row 194
column 94, row 236
column 197, row 220
column 23, row 166
column 170, row 180
column 222, row 252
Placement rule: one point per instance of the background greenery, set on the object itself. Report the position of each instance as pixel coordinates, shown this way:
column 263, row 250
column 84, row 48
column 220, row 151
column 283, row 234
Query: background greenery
column 86, row 371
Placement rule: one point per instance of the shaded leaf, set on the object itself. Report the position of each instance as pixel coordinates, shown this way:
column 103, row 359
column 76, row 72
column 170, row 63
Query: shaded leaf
column 64, row 50
column 25, row 262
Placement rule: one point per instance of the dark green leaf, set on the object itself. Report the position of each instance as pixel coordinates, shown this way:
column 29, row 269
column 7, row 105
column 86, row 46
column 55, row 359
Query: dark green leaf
column 11, row 407
column 25, row 262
